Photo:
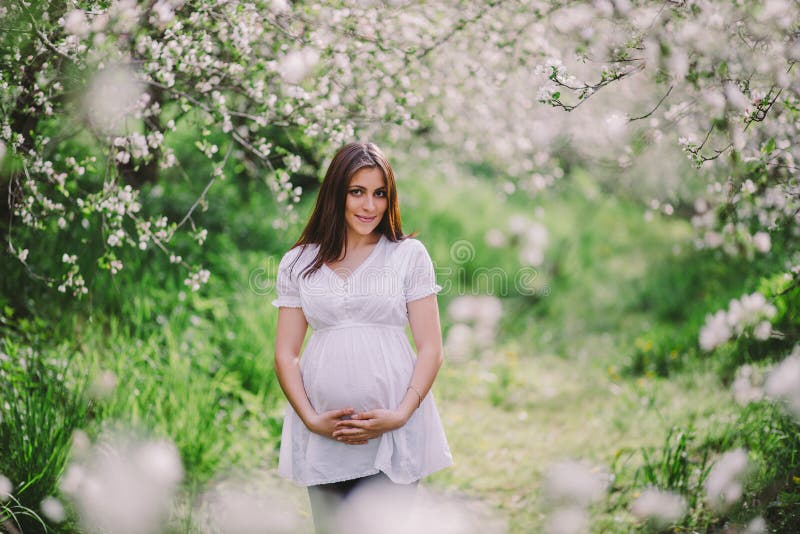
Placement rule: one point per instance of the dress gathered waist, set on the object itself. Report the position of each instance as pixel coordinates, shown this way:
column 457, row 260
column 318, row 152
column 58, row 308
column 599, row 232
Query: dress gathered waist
column 361, row 325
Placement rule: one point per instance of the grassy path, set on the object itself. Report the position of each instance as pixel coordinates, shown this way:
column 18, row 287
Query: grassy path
column 504, row 436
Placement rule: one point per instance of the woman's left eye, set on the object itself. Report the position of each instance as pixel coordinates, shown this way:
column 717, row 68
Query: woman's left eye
column 358, row 192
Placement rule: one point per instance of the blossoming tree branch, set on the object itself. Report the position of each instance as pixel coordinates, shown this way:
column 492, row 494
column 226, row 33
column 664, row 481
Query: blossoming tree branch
column 689, row 107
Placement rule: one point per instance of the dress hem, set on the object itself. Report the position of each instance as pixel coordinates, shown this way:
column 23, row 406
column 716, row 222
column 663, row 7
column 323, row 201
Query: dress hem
column 373, row 471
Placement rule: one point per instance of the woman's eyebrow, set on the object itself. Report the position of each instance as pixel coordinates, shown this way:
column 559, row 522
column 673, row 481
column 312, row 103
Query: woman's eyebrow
column 364, row 188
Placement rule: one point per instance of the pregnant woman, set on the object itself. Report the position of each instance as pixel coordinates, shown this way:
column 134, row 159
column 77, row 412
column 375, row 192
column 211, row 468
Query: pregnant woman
column 360, row 409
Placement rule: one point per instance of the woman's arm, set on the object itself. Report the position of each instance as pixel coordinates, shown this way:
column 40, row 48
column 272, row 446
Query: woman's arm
column 423, row 317
column 292, row 326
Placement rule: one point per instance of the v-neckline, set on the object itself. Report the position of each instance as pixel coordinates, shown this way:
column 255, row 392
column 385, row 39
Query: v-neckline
column 362, row 264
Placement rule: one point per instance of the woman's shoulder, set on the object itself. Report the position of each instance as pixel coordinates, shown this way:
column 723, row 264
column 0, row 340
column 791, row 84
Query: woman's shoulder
column 401, row 244
column 408, row 246
column 299, row 256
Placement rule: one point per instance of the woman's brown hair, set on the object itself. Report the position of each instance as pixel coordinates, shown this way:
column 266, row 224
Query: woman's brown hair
column 327, row 227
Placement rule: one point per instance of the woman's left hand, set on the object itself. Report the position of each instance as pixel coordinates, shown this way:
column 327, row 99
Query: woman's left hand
column 368, row 425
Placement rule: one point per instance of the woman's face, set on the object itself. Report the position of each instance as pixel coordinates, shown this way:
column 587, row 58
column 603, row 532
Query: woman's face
column 366, row 201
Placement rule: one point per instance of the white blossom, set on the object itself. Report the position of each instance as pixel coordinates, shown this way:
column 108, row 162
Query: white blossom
column 568, row 520
column 783, row 383
column 756, row 526
column 232, row 509
column 53, row 510
column 163, row 13
column 297, row 64
column 748, row 313
column 747, row 386
column 6, row 487
column 715, row 331
column 459, row 342
column 575, row 482
column 762, row 242
column 279, row 6
column 735, row 97
column 724, row 484
column 112, row 98
column 495, row 238
column 385, row 509
column 762, row 331
column 75, row 23
column 662, row 508
column 103, row 385
column 125, row 485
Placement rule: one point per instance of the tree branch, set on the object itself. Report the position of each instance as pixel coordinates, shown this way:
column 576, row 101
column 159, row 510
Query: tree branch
column 655, row 108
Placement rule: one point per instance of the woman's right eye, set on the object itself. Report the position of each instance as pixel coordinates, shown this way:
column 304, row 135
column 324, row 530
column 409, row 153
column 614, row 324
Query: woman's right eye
column 355, row 192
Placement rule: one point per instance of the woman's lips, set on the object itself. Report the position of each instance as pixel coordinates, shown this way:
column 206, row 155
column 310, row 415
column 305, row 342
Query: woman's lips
column 365, row 219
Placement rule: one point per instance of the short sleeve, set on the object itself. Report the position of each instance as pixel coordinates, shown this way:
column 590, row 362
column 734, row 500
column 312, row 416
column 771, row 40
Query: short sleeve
column 286, row 282
column 420, row 278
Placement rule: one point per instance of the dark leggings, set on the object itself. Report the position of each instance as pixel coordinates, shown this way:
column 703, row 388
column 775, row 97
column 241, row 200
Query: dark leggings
column 327, row 498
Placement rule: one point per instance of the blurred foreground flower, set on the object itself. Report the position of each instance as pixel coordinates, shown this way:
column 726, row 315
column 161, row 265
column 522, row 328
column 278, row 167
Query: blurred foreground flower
column 568, row 520
column 660, row 508
column 297, row 64
column 783, row 382
column 103, row 385
column 746, row 386
column 575, row 482
column 724, row 484
column 756, row 526
column 124, row 485
column 389, row 509
column 572, row 486
column 6, row 487
column 53, row 510
column 231, row 508
column 113, row 97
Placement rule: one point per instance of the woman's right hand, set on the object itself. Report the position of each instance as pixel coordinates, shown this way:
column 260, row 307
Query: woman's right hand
column 325, row 423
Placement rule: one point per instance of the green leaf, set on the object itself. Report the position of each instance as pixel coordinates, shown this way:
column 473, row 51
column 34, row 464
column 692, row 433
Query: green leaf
column 768, row 147
column 556, row 95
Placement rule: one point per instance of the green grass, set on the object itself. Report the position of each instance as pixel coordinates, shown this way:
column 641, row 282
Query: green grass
column 42, row 405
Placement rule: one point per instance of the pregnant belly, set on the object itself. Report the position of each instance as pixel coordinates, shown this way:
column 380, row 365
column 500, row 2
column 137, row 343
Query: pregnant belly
column 332, row 394
column 363, row 379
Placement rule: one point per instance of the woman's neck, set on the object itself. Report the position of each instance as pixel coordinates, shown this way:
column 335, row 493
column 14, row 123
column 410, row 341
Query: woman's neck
column 356, row 241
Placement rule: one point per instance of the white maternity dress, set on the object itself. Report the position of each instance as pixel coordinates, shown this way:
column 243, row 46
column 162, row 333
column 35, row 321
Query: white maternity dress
column 359, row 356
